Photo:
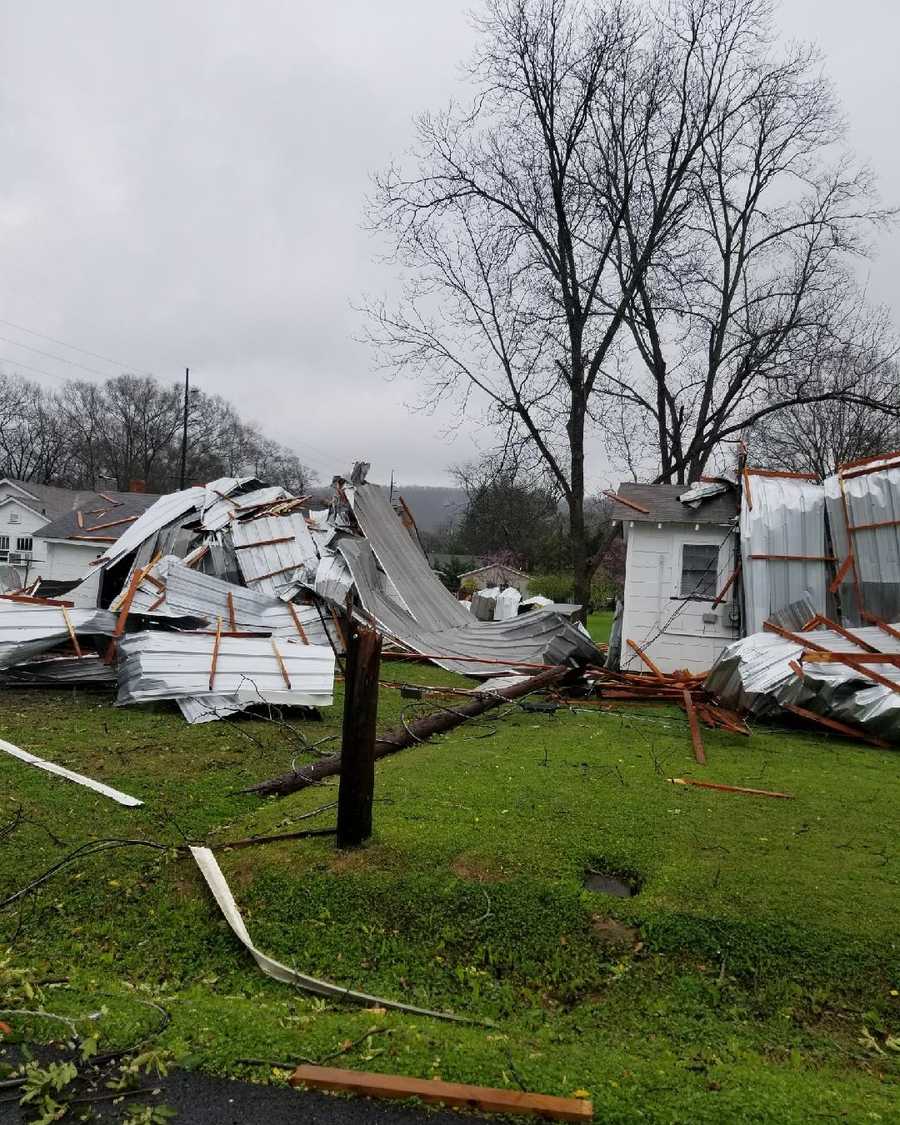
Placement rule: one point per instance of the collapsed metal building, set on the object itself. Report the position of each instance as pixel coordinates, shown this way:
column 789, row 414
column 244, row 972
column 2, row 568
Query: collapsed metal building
column 237, row 593
column 806, row 575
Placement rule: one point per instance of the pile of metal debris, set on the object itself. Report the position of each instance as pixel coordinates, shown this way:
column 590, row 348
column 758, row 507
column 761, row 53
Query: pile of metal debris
column 237, row 593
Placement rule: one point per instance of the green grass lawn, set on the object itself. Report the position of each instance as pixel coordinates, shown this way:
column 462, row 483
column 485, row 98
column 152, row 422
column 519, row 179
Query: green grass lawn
column 753, row 977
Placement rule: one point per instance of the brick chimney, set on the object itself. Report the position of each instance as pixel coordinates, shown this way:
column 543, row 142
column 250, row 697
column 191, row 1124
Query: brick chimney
column 137, row 486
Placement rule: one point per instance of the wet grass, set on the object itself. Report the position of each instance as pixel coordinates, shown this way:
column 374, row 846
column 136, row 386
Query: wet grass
column 752, row 978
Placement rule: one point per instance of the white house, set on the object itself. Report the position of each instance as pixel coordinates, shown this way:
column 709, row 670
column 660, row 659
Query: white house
column 55, row 533
column 678, row 605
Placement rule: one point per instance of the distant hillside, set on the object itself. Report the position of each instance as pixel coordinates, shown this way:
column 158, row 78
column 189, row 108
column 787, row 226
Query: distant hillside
column 433, row 507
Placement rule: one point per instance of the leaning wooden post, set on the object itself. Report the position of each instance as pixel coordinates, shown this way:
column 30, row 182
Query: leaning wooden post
column 357, row 786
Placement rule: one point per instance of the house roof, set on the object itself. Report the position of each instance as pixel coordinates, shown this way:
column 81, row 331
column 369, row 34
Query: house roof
column 660, row 504
column 493, row 566
column 97, row 510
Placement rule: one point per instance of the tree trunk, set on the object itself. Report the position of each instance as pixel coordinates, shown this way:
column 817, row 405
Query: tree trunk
column 409, row 734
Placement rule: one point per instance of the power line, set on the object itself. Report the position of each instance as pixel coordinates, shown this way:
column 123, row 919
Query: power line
column 61, row 358
column 28, row 367
column 74, row 347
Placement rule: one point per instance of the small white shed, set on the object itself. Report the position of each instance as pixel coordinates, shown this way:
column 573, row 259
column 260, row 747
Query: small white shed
column 679, row 558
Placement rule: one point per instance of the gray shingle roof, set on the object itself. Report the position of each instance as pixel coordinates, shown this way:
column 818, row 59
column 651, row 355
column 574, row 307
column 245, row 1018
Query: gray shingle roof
column 96, row 510
column 663, row 505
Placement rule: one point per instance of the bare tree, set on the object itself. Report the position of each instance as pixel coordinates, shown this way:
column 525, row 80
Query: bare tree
column 739, row 313
column 816, row 438
column 531, row 217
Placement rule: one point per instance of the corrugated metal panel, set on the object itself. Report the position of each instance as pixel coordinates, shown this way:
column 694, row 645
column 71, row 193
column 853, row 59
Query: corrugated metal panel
column 226, row 508
column 276, row 554
column 787, row 517
column 88, row 669
column 28, row 630
column 164, row 665
column 333, row 580
column 210, row 708
column 872, row 498
column 754, row 674
column 191, row 594
column 429, row 601
column 528, row 638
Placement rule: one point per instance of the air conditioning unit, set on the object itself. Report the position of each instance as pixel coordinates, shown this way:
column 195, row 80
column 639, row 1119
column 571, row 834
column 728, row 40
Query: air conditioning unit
column 20, row 557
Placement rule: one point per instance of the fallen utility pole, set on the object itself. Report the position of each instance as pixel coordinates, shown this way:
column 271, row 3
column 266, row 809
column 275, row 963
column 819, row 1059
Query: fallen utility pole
column 419, row 730
column 357, row 789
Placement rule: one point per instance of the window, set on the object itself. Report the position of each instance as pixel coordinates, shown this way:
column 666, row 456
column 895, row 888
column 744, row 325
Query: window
column 4, row 542
column 14, row 517
column 699, row 564
column 24, row 544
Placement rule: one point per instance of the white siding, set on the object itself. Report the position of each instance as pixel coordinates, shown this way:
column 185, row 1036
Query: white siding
column 18, row 521
column 67, row 561
column 652, row 597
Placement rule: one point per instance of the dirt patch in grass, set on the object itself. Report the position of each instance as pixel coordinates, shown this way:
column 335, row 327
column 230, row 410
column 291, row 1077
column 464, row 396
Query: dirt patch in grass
column 613, row 932
column 476, row 869
column 366, row 858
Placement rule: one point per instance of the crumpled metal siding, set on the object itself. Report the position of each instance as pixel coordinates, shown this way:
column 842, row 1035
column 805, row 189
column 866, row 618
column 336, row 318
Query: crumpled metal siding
column 56, row 670
column 163, row 665
column 226, row 508
column 429, row 601
column 787, row 517
column 192, row 594
column 754, row 675
column 165, row 511
column 210, row 708
column 873, row 497
column 537, row 637
column 28, row 630
column 279, row 569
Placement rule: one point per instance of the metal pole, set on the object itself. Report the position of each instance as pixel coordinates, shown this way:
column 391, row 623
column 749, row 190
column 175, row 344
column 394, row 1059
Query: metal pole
column 187, row 387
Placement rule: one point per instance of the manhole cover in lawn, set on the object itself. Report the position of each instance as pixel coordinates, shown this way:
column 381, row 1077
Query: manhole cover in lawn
column 604, row 884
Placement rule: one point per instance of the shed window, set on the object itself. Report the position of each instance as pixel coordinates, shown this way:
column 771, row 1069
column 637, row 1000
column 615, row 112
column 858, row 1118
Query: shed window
column 699, row 564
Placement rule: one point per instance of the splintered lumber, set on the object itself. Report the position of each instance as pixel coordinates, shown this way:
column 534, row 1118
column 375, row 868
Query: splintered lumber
column 485, row 1099
column 730, row 788
column 696, row 737
column 636, row 648
column 628, row 503
column 835, row 725
column 408, row 734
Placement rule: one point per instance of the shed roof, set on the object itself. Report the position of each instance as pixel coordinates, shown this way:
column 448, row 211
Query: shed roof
column 494, row 566
column 660, row 504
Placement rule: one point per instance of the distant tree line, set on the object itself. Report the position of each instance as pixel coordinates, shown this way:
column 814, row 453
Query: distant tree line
column 129, row 428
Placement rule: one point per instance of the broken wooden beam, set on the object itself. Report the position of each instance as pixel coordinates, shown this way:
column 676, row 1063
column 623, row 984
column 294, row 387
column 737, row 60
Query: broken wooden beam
column 730, row 788
column 696, row 737
column 636, row 648
column 836, row 726
column 484, row 1099
column 409, row 734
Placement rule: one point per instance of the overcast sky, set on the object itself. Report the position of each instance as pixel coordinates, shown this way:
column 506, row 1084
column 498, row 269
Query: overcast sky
column 183, row 183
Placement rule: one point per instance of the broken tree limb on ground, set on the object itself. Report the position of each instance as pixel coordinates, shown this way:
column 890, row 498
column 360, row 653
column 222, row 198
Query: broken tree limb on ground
column 399, row 738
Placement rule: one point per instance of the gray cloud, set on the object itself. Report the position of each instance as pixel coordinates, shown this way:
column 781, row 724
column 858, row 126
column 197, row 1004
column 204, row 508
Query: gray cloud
column 184, row 184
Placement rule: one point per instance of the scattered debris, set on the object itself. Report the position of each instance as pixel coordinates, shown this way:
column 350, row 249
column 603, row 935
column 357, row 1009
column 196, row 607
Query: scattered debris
column 215, row 880
column 61, row 771
column 434, row 1090
column 729, row 788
